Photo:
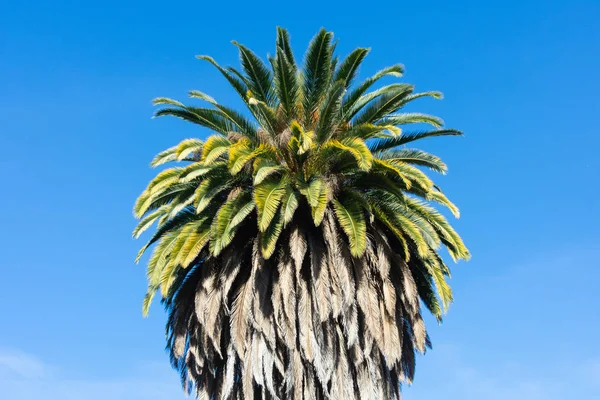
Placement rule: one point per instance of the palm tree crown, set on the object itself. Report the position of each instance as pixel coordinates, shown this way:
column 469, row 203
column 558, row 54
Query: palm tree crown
column 293, row 247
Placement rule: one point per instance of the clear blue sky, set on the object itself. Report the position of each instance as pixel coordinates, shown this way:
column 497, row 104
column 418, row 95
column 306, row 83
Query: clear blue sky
column 521, row 78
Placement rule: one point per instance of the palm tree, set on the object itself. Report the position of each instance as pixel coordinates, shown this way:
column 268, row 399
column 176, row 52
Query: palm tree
column 293, row 246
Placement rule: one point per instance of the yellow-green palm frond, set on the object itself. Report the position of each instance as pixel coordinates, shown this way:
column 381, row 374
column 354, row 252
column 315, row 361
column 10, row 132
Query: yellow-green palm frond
column 352, row 220
column 357, row 148
column 188, row 147
column 267, row 197
column 214, row 148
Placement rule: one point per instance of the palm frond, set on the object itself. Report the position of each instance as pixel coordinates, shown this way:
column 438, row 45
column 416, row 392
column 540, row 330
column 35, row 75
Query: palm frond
column 385, row 144
column 265, row 115
column 354, row 95
column 348, row 69
column 239, row 154
column 206, row 117
column 258, row 75
column 265, row 169
column 267, row 196
column 317, row 72
column 196, row 94
column 304, row 140
column 283, row 42
column 214, row 147
column 164, row 157
column 352, row 220
column 179, row 220
column 157, row 101
column 147, row 221
column 208, row 190
column 357, row 148
column 151, row 201
column 286, row 83
column 238, row 84
column 320, row 196
column 417, row 157
column 383, row 105
column 330, row 114
column 197, row 170
column 240, row 123
column 229, row 216
column 365, row 131
column 365, row 100
column 413, row 118
column 289, row 204
column 270, row 235
column 438, row 196
column 187, row 147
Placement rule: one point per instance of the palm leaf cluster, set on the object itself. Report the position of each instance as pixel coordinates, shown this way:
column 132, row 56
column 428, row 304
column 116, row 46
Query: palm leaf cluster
column 294, row 245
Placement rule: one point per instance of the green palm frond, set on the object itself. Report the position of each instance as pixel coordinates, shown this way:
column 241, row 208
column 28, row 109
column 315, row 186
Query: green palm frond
column 348, row 69
column 353, row 96
column 208, row 118
column 385, row 144
column 417, row 157
column 240, row 123
column 156, row 264
column 208, row 190
column 283, row 42
column 240, row 153
column 414, row 118
column 264, row 114
column 258, row 75
column 164, row 179
column 330, row 114
column 238, row 84
column 418, row 179
column 286, row 84
column 167, row 101
column 317, row 73
column 383, row 105
column 367, row 99
column 439, row 197
column 433, row 94
column 447, row 234
column 367, row 131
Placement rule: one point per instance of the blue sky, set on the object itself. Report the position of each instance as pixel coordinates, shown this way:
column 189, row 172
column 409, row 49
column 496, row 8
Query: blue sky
column 520, row 78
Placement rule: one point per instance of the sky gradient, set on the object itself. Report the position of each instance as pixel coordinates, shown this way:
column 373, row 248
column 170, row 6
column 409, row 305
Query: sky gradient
column 519, row 78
